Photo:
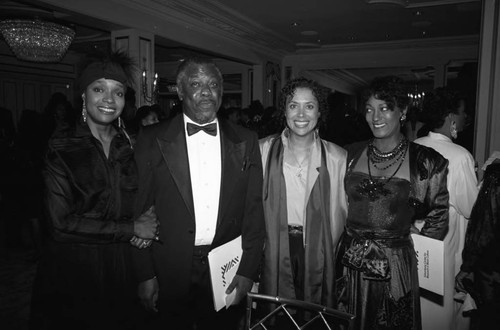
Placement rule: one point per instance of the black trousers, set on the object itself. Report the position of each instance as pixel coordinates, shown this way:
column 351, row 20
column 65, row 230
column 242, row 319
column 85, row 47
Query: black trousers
column 200, row 314
column 297, row 258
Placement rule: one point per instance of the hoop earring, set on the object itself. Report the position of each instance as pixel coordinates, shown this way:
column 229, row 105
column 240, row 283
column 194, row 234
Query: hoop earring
column 84, row 112
column 453, row 130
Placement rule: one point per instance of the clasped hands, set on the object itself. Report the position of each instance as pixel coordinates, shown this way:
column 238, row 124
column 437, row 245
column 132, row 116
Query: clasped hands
column 146, row 229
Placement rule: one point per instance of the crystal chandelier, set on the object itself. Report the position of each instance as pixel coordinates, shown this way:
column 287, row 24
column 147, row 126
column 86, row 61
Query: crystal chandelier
column 416, row 98
column 35, row 40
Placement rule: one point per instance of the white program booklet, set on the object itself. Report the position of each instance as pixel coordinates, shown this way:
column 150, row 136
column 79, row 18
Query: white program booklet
column 430, row 256
column 224, row 261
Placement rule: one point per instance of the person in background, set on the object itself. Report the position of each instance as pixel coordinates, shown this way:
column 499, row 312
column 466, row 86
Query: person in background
column 305, row 204
column 7, row 138
column 58, row 115
column 390, row 182
column 413, row 123
column 8, row 182
column 445, row 115
column 160, row 112
column 479, row 274
column 203, row 175
column 84, row 280
column 130, row 108
column 146, row 115
column 29, row 148
column 233, row 114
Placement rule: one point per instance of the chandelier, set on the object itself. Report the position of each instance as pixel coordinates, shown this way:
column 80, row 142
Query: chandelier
column 35, row 40
column 416, row 98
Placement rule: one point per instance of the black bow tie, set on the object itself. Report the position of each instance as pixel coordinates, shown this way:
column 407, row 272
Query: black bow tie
column 209, row 129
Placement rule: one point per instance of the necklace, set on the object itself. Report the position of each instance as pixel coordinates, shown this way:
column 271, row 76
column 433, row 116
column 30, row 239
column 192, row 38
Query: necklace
column 375, row 188
column 390, row 158
column 299, row 172
column 378, row 156
column 304, row 161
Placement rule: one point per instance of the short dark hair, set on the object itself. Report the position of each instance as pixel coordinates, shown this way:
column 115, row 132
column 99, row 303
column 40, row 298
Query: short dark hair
column 440, row 103
column 195, row 61
column 320, row 93
column 390, row 89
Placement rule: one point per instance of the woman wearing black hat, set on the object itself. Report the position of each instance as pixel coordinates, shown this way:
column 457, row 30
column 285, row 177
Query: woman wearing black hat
column 83, row 279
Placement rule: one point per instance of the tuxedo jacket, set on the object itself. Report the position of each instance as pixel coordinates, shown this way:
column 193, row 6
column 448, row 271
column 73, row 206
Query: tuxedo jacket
column 164, row 181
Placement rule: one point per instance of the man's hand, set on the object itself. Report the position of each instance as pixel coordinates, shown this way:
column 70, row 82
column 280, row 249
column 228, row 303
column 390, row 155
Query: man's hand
column 148, row 294
column 242, row 285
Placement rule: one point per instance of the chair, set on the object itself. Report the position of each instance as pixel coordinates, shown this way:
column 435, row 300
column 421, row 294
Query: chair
column 293, row 311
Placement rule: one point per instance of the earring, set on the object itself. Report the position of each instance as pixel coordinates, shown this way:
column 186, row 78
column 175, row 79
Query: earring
column 84, row 112
column 403, row 118
column 453, row 130
column 120, row 122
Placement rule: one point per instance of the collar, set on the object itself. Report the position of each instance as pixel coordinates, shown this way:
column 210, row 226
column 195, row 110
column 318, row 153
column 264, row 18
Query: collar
column 286, row 134
column 439, row 136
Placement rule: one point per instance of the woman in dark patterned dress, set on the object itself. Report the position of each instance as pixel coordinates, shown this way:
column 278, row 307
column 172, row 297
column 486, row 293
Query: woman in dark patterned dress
column 390, row 182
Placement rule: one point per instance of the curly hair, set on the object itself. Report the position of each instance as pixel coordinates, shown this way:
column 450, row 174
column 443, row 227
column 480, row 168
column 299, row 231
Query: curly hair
column 440, row 103
column 390, row 89
column 320, row 93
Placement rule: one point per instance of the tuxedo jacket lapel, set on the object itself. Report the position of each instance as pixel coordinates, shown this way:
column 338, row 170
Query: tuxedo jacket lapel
column 173, row 147
column 174, row 151
column 233, row 161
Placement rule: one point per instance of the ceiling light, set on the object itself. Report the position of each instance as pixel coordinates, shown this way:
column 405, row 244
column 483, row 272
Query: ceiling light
column 35, row 40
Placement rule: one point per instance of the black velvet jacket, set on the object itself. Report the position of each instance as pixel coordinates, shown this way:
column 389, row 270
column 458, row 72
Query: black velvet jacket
column 89, row 198
column 429, row 194
column 482, row 239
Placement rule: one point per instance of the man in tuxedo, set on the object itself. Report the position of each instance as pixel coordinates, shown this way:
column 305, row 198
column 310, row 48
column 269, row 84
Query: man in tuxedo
column 203, row 174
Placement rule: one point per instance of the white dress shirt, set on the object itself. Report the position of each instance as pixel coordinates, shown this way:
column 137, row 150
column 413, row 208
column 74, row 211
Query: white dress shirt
column 205, row 163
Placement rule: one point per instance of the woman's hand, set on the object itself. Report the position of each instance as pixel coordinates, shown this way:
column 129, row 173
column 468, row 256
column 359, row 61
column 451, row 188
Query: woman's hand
column 146, row 226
